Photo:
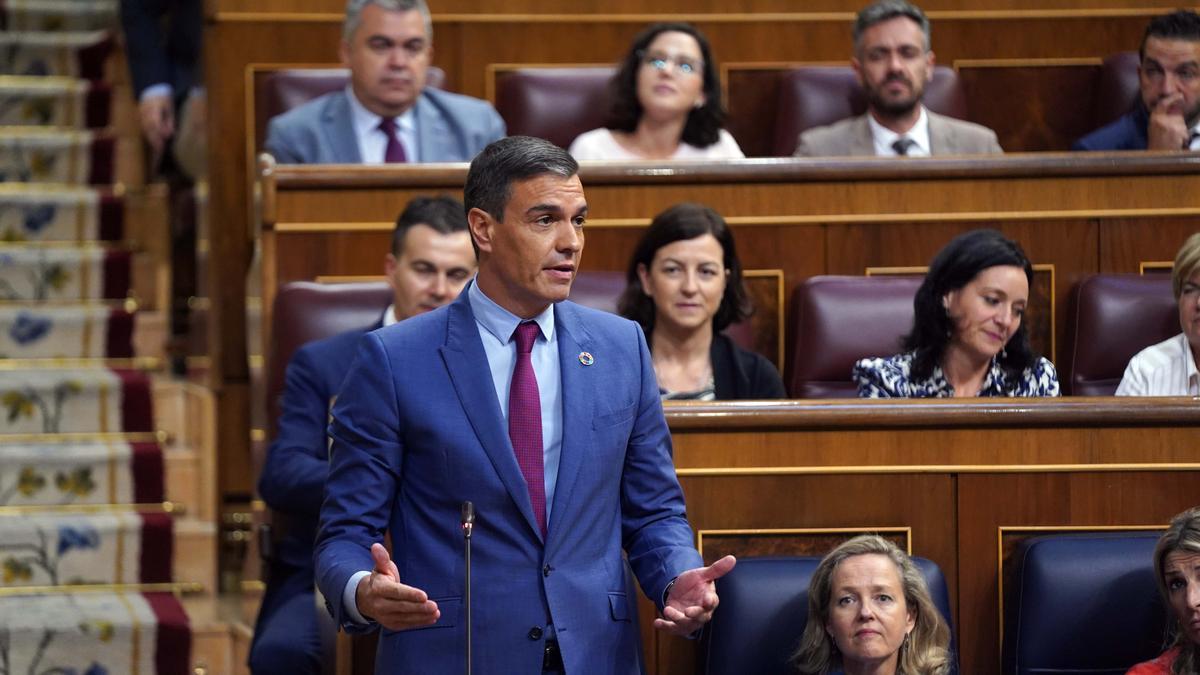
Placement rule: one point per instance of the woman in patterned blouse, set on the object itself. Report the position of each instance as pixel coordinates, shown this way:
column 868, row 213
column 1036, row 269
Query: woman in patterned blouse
column 968, row 337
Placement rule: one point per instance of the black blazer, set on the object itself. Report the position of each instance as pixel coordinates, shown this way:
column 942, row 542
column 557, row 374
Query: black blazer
column 740, row 374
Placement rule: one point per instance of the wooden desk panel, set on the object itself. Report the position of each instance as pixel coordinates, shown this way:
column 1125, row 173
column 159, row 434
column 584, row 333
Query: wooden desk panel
column 952, row 472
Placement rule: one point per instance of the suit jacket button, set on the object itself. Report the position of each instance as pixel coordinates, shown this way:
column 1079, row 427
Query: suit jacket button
column 547, row 570
column 535, row 633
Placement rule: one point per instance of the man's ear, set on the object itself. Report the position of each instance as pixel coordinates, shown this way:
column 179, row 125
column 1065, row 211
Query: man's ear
column 930, row 62
column 389, row 269
column 344, row 53
column 482, row 227
column 858, row 73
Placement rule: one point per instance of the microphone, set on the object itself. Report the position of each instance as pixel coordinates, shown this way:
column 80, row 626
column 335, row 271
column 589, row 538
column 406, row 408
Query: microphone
column 468, row 525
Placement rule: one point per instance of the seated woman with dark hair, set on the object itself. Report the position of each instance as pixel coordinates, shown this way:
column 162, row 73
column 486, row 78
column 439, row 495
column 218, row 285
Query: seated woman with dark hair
column 1177, row 569
column 684, row 286
column 869, row 611
column 666, row 102
column 968, row 336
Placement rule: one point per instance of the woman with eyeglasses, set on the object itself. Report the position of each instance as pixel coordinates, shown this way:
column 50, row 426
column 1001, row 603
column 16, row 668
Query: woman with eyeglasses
column 666, row 102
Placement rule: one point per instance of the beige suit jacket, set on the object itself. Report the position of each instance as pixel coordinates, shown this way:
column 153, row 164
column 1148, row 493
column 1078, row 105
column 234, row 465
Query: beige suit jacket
column 852, row 137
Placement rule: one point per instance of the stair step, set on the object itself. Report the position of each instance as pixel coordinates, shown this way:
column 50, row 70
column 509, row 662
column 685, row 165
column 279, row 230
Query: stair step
column 80, row 54
column 59, row 213
column 65, row 332
column 54, row 102
column 55, row 400
column 41, row 474
column 56, row 155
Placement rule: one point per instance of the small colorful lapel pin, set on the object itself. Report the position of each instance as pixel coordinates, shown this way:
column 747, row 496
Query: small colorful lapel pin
column 586, row 358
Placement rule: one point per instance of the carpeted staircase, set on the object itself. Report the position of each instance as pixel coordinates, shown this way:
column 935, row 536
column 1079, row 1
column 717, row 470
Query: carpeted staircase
column 107, row 524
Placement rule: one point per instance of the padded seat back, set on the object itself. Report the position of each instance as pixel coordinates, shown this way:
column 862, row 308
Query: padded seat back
column 1118, row 89
column 279, row 91
column 763, row 611
column 837, row 320
column 1115, row 317
column 1082, row 604
column 556, row 104
column 814, row 96
column 306, row 311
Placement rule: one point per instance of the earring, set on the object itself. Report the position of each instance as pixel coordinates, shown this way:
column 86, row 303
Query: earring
column 698, row 104
column 1003, row 353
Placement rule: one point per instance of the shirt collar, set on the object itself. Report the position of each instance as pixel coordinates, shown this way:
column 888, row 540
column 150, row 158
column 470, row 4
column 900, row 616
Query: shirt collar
column 884, row 137
column 365, row 121
column 389, row 316
column 500, row 322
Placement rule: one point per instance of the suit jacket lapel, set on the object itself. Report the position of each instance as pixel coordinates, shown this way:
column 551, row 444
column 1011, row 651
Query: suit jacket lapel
column 573, row 339
column 467, row 364
column 431, row 130
column 339, row 130
column 941, row 137
column 861, row 142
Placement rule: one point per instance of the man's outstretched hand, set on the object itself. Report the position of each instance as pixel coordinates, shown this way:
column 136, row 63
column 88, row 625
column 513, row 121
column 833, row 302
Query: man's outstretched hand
column 380, row 596
column 693, row 598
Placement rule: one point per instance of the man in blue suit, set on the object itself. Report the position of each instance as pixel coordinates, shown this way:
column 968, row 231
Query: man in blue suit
column 386, row 114
column 544, row 414
column 430, row 262
column 1167, row 114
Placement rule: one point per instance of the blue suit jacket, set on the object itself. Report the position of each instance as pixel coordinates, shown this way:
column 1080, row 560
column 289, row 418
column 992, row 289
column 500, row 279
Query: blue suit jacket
column 1127, row 133
column 163, row 51
column 450, row 128
column 293, row 476
column 417, row 430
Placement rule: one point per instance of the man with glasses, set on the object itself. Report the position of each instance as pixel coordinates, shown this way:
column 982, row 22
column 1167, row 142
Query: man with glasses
column 386, row 114
column 1167, row 116
column 893, row 62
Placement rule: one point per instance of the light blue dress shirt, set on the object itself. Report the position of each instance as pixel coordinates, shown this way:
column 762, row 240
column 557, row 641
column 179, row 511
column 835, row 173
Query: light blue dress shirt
column 496, row 326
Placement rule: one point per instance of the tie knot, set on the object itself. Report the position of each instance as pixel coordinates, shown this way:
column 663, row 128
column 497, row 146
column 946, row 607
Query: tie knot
column 388, row 125
column 902, row 145
column 525, row 334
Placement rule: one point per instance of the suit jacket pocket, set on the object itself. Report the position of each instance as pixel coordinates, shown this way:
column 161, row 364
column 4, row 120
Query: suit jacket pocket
column 618, row 604
column 449, row 607
column 612, row 419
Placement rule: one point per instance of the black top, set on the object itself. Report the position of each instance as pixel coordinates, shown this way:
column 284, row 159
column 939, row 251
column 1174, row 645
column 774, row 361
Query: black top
column 741, row 374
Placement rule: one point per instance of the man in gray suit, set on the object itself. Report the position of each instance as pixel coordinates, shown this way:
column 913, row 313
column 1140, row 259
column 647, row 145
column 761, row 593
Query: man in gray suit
column 386, row 113
column 894, row 62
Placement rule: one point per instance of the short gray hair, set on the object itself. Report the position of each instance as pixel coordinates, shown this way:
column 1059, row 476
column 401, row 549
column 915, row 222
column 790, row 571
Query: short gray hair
column 354, row 10
column 886, row 10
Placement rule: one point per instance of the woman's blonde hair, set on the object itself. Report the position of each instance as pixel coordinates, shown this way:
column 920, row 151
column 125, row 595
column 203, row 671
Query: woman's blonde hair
column 925, row 650
column 1183, row 534
column 1186, row 263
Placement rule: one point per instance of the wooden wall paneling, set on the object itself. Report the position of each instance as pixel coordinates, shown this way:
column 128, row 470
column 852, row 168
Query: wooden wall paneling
column 1127, row 243
column 987, row 502
column 751, row 92
column 924, row 503
column 1032, row 105
column 442, row 8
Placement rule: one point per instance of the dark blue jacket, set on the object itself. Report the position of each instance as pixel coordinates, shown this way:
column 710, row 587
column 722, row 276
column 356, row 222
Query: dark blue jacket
column 1127, row 133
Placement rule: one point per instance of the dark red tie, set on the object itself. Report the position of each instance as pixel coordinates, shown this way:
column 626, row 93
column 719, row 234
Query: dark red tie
column 525, row 421
column 393, row 153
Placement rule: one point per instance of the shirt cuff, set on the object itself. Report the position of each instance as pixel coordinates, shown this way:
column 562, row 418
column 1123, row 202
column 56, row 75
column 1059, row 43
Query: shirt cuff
column 349, row 601
column 156, row 90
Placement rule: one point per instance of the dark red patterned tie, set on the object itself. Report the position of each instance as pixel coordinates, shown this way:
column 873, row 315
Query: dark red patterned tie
column 525, row 421
column 393, row 153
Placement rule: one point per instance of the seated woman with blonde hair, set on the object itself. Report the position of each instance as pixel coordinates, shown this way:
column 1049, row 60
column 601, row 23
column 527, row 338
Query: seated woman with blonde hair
column 1177, row 570
column 1169, row 367
column 869, row 611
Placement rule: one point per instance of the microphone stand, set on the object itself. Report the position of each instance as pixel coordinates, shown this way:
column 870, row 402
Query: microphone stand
column 468, row 524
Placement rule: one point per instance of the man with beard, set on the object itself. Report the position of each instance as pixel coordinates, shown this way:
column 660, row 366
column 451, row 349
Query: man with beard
column 385, row 114
column 1167, row 116
column 893, row 63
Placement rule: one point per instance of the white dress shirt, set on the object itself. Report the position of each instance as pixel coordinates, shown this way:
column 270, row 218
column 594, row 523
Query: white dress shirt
column 1165, row 369
column 372, row 142
column 884, row 137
